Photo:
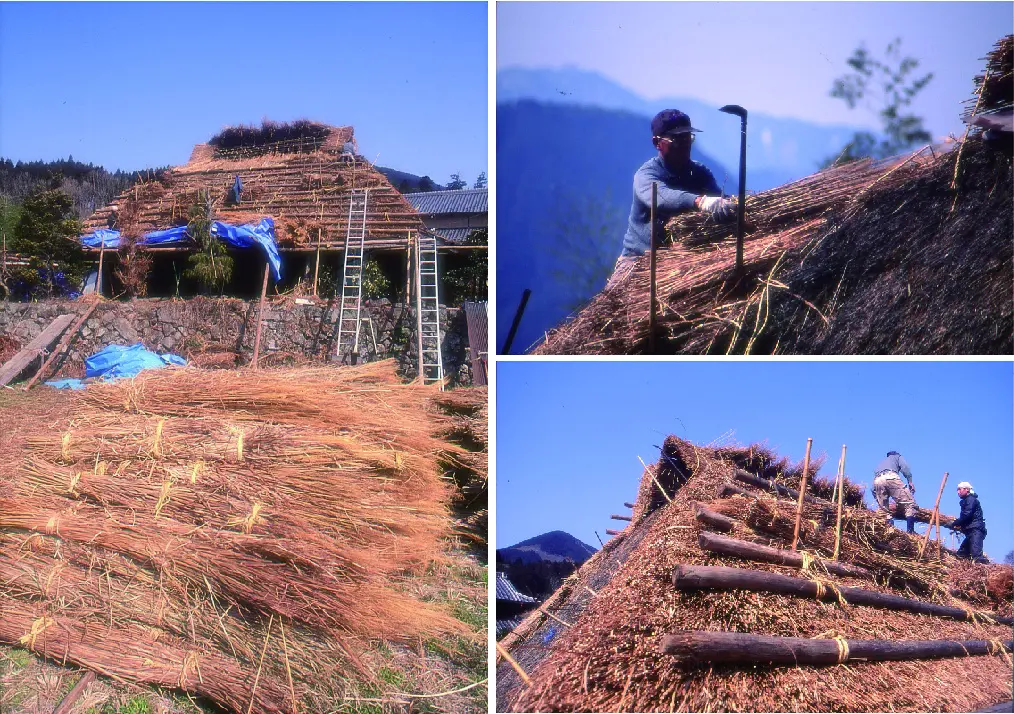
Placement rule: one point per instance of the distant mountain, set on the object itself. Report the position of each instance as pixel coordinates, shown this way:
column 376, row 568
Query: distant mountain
column 779, row 149
column 555, row 546
column 564, row 189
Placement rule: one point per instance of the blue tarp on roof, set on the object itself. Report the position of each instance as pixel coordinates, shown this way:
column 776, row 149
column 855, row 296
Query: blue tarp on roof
column 245, row 236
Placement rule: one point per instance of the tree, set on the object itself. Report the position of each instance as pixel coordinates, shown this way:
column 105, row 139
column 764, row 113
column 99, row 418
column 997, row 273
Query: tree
column 211, row 266
column 468, row 280
column 888, row 87
column 426, row 184
column 47, row 234
column 1009, row 558
column 480, row 181
column 456, row 183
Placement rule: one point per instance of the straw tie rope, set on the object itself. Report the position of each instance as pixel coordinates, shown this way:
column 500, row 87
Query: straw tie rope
column 74, row 480
column 65, row 446
column 248, row 522
column 156, row 448
column 38, row 627
column 843, row 649
column 198, row 467
column 163, row 496
column 53, row 525
column 191, row 663
column 997, row 647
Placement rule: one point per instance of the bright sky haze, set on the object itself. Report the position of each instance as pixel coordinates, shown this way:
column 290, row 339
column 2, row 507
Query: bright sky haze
column 136, row 85
column 779, row 58
column 568, row 435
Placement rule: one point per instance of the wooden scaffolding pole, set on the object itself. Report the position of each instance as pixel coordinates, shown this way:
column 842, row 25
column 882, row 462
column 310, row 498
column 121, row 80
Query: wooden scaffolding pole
column 260, row 316
column 934, row 516
column 802, row 492
column 841, row 487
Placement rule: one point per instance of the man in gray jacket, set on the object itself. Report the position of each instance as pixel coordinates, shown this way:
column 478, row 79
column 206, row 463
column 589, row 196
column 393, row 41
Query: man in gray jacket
column 887, row 484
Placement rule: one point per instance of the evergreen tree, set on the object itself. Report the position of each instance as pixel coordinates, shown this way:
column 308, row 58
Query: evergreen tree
column 480, row 181
column 47, row 234
column 456, row 183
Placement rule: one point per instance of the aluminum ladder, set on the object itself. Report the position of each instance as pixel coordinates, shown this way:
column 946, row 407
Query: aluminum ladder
column 352, row 280
column 431, row 367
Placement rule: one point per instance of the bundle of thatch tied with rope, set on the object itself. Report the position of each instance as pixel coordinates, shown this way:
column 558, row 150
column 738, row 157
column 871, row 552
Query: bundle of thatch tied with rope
column 250, row 537
column 731, row 593
column 908, row 255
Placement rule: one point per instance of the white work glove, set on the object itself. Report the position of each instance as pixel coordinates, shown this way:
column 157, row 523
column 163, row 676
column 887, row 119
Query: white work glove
column 721, row 208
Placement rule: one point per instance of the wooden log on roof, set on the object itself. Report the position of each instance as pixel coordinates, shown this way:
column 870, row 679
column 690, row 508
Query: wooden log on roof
column 612, row 532
column 34, row 349
column 729, row 489
column 763, row 483
column 712, row 577
column 628, row 505
column 724, row 545
column 715, row 520
column 742, row 648
column 619, row 518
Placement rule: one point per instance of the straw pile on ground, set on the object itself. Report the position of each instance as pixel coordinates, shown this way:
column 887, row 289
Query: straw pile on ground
column 622, row 602
column 248, row 537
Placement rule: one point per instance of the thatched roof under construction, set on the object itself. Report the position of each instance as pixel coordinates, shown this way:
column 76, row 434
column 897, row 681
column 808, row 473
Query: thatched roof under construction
column 270, row 541
column 621, row 603
column 304, row 184
column 867, row 258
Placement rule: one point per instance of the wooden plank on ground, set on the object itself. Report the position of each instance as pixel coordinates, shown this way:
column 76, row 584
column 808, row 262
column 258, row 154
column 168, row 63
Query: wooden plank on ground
column 35, row 349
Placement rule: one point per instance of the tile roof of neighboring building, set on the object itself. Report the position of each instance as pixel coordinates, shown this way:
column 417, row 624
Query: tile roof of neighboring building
column 453, row 235
column 505, row 626
column 505, row 590
column 466, row 200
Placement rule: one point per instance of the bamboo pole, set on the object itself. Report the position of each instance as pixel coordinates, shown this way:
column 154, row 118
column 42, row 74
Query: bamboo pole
column 67, row 703
column 935, row 515
column 98, row 277
column 260, row 316
column 802, row 493
column 511, row 661
column 841, row 488
column 742, row 648
column 316, row 267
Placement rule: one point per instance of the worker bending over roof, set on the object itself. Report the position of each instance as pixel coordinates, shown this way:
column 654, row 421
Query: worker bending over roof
column 887, row 484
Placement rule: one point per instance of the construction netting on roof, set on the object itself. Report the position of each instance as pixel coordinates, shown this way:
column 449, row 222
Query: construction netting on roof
column 867, row 258
column 608, row 656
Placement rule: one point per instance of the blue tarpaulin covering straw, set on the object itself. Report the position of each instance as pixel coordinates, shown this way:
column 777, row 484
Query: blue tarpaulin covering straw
column 117, row 362
column 261, row 235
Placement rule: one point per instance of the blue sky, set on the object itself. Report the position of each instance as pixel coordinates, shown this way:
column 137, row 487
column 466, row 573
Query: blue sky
column 568, row 434
column 774, row 57
column 135, row 85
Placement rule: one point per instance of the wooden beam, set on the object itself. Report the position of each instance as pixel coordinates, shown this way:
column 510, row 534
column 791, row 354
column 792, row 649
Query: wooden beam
column 840, row 483
column 933, row 516
column 727, row 489
column 612, row 532
column 724, row 545
column 802, row 494
column 67, row 703
column 705, row 577
column 620, row 518
column 34, row 349
column 628, row 505
column 715, row 520
column 64, row 343
column 772, row 487
column 742, row 648
column 260, row 316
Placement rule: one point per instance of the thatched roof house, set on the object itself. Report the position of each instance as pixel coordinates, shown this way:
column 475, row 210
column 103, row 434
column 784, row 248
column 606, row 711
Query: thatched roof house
column 304, row 183
column 910, row 255
column 627, row 605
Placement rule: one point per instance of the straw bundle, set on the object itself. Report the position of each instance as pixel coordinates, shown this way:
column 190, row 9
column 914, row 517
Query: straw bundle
column 211, row 510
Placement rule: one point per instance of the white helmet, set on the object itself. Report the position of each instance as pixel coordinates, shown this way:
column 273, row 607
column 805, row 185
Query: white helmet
column 965, row 484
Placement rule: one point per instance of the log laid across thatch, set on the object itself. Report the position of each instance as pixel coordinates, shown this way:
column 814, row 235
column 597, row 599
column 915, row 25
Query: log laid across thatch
column 714, row 520
column 741, row 648
column 724, row 545
column 705, row 577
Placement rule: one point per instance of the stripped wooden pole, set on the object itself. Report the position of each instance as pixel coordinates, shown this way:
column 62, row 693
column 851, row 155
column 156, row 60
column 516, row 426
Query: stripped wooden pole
column 934, row 516
column 260, row 316
column 98, row 276
column 620, row 518
column 717, row 521
column 712, row 577
column 63, row 345
column 316, row 267
column 724, row 545
column 841, row 487
column 611, row 532
column 742, row 648
column 802, row 493
column 939, row 556
column 651, row 289
column 511, row 661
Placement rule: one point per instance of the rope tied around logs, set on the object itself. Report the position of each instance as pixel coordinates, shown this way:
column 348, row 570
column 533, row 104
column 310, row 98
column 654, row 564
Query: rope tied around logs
column 843, row 649
column 997, row 647
column 823, row 585
column 191, row 663
column 38, row 627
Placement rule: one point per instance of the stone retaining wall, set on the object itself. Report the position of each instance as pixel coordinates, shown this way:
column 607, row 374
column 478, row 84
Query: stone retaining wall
column 221, row 331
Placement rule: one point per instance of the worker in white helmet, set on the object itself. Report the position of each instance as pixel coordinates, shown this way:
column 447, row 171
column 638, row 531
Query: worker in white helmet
column 971, row 523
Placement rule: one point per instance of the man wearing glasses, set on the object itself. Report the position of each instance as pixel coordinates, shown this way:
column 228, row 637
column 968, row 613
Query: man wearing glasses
column 683, row 185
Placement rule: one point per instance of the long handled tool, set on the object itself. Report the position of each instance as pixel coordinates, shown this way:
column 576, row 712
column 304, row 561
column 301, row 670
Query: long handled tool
column 741, row 113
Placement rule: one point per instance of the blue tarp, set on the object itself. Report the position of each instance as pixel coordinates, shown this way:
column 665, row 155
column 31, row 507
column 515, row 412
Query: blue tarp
column 245, row 236
column 103, row 235
column 66, row 384
column 116, row 361
column 237, row 190
column 263, row 234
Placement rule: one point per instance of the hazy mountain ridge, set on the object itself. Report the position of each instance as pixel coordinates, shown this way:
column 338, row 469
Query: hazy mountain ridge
column 555, row 546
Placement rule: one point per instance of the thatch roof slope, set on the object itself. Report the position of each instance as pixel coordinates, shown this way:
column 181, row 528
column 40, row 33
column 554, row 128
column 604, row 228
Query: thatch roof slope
column 866, row 258
column 303, row 184
column 621, row 603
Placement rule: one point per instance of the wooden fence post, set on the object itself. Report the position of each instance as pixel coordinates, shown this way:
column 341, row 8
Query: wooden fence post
column 802, row 493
